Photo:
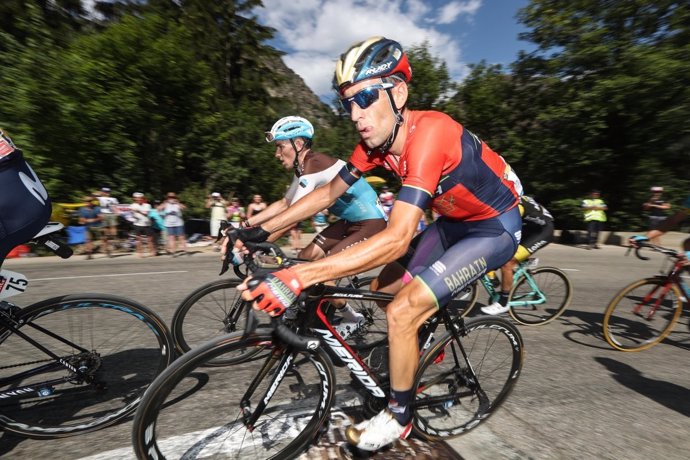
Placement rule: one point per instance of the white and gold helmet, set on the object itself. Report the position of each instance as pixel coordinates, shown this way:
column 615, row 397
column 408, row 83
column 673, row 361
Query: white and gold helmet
column 374, row 57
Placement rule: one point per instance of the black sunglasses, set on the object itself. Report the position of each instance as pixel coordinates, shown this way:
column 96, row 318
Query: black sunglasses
column 365, row 97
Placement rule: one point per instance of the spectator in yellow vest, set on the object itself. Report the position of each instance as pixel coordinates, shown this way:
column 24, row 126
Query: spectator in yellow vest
column 595, row 216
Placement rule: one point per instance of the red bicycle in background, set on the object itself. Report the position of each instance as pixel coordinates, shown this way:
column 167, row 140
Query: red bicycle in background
column 645, row 312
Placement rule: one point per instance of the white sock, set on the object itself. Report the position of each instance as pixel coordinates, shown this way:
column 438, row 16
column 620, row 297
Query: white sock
column 349, row 314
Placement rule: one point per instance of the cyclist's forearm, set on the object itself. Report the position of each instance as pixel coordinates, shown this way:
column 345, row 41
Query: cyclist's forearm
column 275, row 236
column 271, row 211
column 382, row 248
column 321, row 198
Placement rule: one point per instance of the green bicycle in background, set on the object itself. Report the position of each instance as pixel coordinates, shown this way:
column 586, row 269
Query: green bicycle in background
column 539, row 295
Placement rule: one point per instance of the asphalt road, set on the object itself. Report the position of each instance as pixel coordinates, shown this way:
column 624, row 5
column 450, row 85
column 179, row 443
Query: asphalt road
column 576, row 397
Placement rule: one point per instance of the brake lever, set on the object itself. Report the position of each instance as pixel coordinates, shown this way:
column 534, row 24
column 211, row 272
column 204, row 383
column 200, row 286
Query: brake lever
column 640, row 256
column 224, row 224
column 226, row 262
column 226, row 229
column 251, row 323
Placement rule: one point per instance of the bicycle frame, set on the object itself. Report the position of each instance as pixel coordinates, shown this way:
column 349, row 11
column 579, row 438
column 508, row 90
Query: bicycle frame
column 671, row 278
column 312, row 320
column 534, row 297
column 10, row 325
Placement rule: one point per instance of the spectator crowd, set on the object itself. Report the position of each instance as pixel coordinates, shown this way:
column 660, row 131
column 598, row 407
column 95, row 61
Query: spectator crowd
column 153, row 227
column 147, row 225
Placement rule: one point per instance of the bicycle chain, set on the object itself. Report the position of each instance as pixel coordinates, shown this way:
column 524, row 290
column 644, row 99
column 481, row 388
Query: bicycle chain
column 27, row 364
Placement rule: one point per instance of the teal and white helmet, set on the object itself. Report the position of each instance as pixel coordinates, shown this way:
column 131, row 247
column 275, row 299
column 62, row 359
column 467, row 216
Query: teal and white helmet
column 289, row 128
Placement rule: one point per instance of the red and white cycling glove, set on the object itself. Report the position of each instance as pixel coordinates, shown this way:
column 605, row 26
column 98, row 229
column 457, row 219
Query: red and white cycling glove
column 275, row 292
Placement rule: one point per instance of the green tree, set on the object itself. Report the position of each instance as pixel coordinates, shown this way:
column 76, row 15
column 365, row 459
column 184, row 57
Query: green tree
column 484, row 100
column 613, row 96
column 431, row 86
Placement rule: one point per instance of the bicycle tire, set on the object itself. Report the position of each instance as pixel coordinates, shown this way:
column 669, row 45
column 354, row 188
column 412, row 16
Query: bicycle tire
column 556, row 288
column 213, row 310
column 192, row 410
column 627, row 324
column 448, row 400
column 125, row 345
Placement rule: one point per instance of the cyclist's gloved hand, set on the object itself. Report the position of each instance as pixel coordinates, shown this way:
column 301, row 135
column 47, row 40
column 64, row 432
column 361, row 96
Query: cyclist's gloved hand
column 635, row 240
column 275, row 292
column 250, row 234
column 236, row 257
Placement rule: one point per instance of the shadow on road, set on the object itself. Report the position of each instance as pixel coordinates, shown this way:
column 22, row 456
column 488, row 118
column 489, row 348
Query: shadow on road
column 673, row 396
column 8, row 442
column 586, row 328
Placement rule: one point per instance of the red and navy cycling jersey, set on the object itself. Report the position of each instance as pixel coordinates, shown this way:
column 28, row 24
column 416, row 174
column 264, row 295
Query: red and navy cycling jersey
column 445, row 165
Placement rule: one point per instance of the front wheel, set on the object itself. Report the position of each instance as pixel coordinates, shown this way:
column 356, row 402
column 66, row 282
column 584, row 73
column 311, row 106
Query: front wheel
column 213, row 310
column 454, row 394
column 642, row 314
column 194, row 410
column 109, row 350
column 540, row 296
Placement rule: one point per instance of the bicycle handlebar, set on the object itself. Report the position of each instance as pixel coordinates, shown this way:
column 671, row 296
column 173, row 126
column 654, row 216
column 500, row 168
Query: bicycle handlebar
column 286, row 335
column 643, row 244
column 46, row 237
column 251, row 261
column 254, row 263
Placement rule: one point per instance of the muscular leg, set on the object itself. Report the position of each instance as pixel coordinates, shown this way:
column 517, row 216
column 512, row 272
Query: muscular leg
column 507, row 275
column 311, row 252
column 413, row 305
column 390, row 279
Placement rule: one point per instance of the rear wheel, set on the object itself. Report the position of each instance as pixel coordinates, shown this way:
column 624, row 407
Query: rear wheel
column 110, row 350
column 453, row 395
column 194, row 410
column 642, row 314
column 540, row 296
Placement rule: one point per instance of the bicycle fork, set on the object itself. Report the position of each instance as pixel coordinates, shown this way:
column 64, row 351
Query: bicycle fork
column 284, row 358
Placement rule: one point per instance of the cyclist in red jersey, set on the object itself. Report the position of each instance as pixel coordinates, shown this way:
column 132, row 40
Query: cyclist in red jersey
column 441, row 165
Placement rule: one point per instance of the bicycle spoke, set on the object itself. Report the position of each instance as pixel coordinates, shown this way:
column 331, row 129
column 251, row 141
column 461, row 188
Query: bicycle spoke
column 197, row 410
column 83, row 390
column 454, row 395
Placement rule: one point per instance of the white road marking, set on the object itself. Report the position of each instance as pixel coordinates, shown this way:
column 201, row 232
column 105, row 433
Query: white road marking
column 182, row 443
column 106, row 276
